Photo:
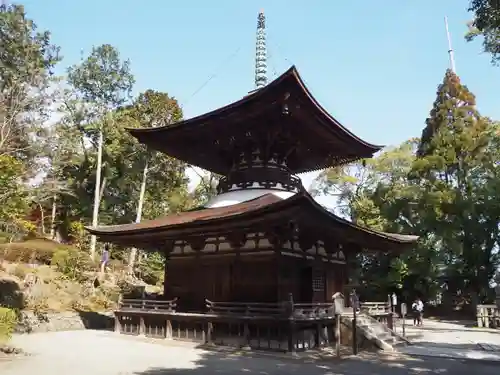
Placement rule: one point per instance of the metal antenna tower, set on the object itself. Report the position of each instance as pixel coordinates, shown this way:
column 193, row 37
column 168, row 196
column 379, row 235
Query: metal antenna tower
column 450, row 49
column 261, row 52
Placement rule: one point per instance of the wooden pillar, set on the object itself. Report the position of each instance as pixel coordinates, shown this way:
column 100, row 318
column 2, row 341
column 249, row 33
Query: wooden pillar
column 291, row 325
column 277, row 262
column 337, row 334
column 142, row 326
column 390, row 320
column 168, row 329
column 118, row 326
column 209, row 327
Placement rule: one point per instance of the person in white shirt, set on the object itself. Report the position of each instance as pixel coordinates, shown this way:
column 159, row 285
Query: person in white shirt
column 418, row 310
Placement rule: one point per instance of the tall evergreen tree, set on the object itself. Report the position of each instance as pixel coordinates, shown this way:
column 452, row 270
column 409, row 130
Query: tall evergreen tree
column 453, row 113
column 450, row 168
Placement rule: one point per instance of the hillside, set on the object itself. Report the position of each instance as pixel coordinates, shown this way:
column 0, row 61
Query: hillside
column 41, row 277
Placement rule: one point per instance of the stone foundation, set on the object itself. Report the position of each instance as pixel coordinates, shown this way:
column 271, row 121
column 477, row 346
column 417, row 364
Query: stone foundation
column 29, row 322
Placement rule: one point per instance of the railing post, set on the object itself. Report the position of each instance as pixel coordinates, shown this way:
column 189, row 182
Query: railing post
column 118, row 325
column 168, row 329
column 208, row 336
column 355, row 303
column 142, row 326
column 246, row 331
column 291, row 324
column 337, row 334
column 390, row 321
column 317, row 335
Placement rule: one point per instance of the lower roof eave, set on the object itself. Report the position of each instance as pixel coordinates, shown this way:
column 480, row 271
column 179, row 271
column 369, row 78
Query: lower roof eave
column 214, row 220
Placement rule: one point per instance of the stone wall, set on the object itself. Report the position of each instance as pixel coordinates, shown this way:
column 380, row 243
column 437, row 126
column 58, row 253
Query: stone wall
column 30, row 322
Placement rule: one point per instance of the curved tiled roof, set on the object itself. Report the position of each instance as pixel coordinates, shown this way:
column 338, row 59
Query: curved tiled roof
column 330, row 144
column 256, row 208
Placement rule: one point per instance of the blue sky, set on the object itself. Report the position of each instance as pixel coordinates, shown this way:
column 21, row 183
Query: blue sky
column 374, row 67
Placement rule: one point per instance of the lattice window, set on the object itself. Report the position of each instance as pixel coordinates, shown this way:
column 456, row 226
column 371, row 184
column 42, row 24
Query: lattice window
column 318, row 282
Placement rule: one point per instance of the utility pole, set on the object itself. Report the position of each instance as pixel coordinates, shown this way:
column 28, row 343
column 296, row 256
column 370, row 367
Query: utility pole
column 450, row 48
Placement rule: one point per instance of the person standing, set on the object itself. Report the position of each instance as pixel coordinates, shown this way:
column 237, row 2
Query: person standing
column 418, row 312
column 104, row 259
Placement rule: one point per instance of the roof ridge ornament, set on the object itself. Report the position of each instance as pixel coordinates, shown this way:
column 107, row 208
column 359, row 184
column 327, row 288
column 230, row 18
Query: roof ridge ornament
column 261, row 52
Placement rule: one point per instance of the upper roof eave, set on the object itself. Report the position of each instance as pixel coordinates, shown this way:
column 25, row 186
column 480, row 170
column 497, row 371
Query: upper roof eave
column 291, row 73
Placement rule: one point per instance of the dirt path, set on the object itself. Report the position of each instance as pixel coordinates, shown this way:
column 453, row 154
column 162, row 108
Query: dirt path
column 105, row 353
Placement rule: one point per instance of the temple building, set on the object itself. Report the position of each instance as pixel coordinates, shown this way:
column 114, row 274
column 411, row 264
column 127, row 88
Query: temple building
column 262, row 238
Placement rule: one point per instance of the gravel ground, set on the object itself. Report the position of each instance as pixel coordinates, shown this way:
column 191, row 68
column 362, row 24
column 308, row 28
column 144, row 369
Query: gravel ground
column 105, row 353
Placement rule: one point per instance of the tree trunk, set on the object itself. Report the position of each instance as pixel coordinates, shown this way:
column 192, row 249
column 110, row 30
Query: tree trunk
column 95, row 214
column 53, row 217
column 140, row 204
column 42, row 219
column 101, row 190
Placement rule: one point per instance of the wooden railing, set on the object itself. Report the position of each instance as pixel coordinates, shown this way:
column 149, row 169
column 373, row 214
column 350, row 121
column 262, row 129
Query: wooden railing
column 488, row 316
column 313, row 310
column 283, row 309
column 282, row 326
column 246, row 309
column 147, row 304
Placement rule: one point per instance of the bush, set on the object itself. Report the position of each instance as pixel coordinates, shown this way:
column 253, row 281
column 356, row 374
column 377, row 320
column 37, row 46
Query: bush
column 5, row 237
column 39, row 250
column 21, row 270
column 8, row 320
column 72, row 263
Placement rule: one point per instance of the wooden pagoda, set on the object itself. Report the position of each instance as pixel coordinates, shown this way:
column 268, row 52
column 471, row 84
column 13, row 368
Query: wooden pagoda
column 262, row 238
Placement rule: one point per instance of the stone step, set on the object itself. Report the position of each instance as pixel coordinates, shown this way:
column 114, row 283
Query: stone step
column 377, row 332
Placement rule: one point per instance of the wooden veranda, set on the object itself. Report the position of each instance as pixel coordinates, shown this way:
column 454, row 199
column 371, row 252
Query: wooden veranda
column 285, row 327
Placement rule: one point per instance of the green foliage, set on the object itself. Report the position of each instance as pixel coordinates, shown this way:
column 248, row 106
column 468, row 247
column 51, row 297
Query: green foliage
column 25, row 51
column 486, row 23
column 152, row 268
column 103, row 78
column 456, row 162
column 12, row 193
column 73, row 263
column 27, row 59
column 8, row 320
column 444, row 188
column 38, row 250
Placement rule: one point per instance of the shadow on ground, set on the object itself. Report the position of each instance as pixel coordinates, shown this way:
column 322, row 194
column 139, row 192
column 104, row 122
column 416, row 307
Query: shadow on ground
column 11, row 295
column 455, row 329
column 211, row 363
column 96, row 321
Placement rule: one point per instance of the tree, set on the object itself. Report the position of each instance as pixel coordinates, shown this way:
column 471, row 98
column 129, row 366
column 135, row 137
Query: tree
column 454, row 166
column 26, row 63
column 165, row 175
column 375, row 193
column 104, row 83
column 12, row 192
column 486, row 23
column 206, row 188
